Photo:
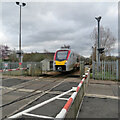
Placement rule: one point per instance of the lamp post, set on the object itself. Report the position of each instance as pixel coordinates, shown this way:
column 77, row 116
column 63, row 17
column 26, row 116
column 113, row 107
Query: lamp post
column 98, row 20
column 20, row 51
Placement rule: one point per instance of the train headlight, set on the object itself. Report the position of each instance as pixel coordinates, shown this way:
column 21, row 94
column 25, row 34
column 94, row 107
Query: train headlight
column 65, row 62
column 54, row 62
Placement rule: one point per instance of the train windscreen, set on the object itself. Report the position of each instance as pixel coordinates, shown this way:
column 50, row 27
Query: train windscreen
column 61, row 55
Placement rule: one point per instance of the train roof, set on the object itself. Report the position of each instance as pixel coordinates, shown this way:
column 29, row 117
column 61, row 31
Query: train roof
column 64, row 49
column 68, row 49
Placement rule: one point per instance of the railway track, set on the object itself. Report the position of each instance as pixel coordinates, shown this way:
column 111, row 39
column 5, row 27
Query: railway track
column 30, row 83
column 36, row 91
column 33, row 94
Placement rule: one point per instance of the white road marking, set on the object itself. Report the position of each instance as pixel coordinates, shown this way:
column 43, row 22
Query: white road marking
column 9, row 88
column 102, row 96
column 20, row 90
column 27, row 90
column 39, row 116
column 31, row 90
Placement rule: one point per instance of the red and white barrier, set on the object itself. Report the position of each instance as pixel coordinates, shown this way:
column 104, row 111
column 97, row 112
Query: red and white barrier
column 63, row 112
column 39, row 105
column 5, row 70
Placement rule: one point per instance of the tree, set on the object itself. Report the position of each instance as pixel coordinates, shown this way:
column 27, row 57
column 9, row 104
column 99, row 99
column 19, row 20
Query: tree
column 13, row 56
column 46, row 51
column 107, row 40
column 4, row 52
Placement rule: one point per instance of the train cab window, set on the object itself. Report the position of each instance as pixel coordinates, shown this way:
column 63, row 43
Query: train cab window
column 61, row 55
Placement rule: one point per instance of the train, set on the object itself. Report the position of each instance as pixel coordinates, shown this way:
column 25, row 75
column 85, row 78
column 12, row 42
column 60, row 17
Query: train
column 65, row 59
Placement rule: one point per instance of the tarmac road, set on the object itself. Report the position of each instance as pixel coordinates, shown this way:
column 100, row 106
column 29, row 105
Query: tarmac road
column 20, row 93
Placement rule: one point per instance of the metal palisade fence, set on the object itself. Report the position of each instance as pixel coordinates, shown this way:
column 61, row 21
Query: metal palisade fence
column 13, row 65
column 29, row 68
column 105, row 70
column 26, row 68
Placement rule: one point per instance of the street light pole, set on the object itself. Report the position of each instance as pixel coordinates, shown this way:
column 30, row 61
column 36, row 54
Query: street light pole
column 98, row 19
column 20, row 51
column 20, row 59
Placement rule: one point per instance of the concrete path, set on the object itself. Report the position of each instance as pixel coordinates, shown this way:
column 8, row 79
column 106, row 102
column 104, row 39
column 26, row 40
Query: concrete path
column 100, row 101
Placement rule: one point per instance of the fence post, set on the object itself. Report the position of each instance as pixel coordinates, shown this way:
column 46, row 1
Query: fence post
column 117, row 70
column 93, row 69
column 41, row 67
column 110, row 70
column 104, row 70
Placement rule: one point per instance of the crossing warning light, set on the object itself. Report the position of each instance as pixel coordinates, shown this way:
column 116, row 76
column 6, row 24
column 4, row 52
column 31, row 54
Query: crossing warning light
column 20, row 63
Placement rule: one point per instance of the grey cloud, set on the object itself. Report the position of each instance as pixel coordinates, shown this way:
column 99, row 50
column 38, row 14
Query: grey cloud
column 56, row 23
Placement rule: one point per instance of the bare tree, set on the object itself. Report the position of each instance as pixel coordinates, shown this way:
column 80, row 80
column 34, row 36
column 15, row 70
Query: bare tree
column 107, row 40
column 4, row 51
column 13, row 56
column 46, row 51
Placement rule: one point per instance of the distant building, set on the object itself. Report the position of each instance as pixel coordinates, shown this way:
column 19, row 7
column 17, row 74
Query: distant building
column 47, row 65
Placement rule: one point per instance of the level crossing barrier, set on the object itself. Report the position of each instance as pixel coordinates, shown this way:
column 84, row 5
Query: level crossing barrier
column 71, row 108
column 5, row 70
column 11, row 68
column 15, row 71
column 25, row 112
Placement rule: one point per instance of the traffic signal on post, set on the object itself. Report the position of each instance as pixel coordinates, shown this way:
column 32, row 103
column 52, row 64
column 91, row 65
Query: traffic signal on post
column 101, row 50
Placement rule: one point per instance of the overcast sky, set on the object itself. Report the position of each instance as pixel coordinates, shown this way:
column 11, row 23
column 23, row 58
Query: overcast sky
column 51, row 25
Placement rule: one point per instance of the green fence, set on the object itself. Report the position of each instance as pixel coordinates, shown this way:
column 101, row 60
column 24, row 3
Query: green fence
column 105, row 70
column 33, row 68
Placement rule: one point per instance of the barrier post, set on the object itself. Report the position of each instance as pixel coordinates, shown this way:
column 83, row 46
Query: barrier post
column 82, row 69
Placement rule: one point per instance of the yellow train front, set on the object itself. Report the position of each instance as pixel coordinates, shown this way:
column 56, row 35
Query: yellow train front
column 64, row 60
